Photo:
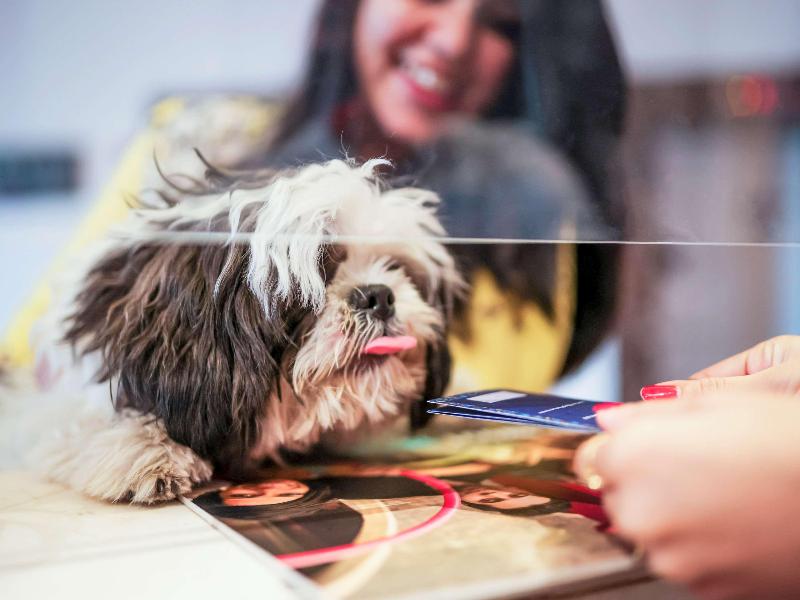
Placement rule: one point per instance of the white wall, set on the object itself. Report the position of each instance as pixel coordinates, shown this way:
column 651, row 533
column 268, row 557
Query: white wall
column 665, row 39
column 82, row 73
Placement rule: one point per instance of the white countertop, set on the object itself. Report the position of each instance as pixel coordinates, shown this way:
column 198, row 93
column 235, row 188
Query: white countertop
column 55, row 543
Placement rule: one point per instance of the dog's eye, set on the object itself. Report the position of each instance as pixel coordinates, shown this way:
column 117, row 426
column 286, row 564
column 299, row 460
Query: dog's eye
column 413, row 272
column 332, row 256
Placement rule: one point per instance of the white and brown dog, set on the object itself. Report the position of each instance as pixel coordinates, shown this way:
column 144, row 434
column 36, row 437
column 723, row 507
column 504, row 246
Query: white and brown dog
column 322, row 311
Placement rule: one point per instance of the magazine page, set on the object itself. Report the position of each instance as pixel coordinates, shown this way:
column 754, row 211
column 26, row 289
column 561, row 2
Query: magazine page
column 478, row 513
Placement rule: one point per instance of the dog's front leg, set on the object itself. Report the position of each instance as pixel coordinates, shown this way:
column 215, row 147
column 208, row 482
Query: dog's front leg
column 124, row 456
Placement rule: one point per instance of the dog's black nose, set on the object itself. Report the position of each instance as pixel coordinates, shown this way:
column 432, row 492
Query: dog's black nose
column 378, row 300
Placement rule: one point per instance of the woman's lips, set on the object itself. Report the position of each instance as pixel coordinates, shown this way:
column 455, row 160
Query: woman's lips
column 422, row 84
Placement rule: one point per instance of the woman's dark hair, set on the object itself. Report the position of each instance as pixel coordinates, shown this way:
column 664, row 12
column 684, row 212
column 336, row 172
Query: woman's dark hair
column 565, row 85
column 309, row 504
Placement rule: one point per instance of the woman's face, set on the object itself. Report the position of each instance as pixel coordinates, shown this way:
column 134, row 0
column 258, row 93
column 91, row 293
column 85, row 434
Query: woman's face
column 503, row 499
column 421, row 61
column 273, row 491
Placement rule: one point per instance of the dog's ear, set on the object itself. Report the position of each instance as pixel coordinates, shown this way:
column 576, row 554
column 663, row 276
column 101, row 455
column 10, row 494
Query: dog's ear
column 438, row 364
column 448, row 290
column 182, row 343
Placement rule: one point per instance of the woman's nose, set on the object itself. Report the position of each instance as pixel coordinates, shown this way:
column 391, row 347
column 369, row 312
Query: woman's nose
column 452, row 30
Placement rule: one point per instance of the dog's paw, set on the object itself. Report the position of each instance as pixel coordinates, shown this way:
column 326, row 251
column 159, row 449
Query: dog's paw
column 120, row 458
column 166, row 481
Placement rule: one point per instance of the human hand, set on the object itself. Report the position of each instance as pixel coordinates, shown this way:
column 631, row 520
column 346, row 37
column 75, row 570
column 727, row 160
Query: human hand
column 773, row 365
column 707, row 487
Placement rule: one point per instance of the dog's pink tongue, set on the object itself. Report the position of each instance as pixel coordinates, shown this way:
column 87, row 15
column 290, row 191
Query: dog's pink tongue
column 390, row 345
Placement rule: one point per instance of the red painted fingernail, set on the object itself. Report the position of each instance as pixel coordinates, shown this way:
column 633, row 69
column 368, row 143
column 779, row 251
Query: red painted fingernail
column 659, row 392
column 598, row 406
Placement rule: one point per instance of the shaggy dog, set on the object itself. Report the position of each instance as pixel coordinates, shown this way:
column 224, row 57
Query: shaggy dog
column 219, row 330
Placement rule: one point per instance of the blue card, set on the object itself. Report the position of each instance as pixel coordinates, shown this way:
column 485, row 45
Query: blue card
column 511, row 406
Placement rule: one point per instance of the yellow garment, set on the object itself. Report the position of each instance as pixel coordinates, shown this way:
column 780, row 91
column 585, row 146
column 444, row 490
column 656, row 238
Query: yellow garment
column 512, row 344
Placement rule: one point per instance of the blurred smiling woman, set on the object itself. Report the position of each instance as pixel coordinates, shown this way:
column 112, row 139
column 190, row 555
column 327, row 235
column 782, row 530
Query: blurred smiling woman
column 510, row 110
column 418, row 62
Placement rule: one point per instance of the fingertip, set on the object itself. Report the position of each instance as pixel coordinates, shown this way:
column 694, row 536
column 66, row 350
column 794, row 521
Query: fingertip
column 614, row 417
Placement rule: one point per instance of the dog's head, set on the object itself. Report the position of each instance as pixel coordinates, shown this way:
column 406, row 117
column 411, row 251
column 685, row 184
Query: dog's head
column 325, row 310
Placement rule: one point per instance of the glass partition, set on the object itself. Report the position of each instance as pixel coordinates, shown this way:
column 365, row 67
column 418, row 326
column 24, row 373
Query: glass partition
column 602, row 171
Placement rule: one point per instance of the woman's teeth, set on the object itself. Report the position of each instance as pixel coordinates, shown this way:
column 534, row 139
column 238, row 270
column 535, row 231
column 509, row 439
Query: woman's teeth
column 427, row 78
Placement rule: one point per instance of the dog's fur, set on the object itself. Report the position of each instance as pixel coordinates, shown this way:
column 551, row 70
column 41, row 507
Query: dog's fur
column 220, row 355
